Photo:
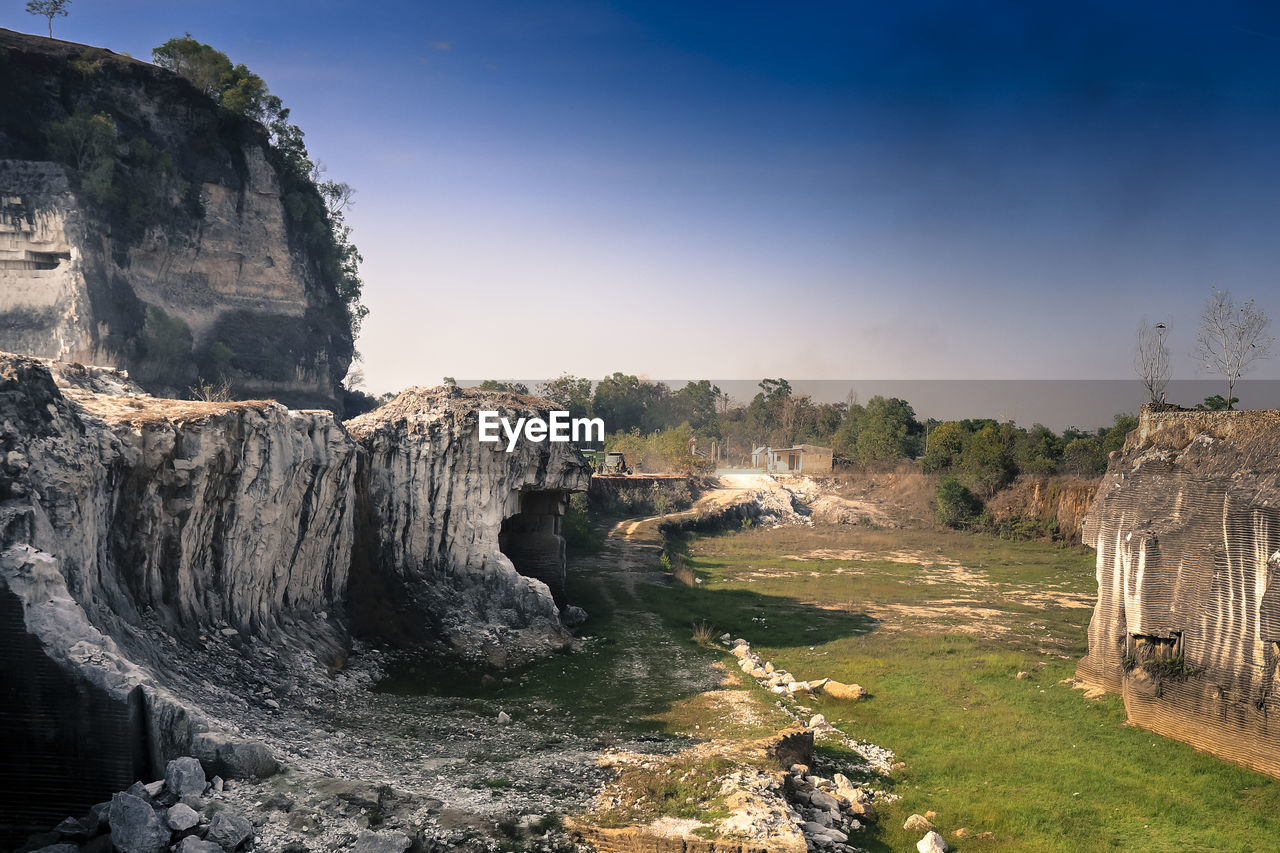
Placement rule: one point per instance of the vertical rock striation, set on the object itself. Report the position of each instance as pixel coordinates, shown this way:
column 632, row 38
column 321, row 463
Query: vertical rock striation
column 429, row 556
column 137, row 534
column 1186, row 524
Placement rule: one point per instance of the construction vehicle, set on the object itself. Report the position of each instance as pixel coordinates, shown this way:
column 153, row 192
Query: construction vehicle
column 608, row 462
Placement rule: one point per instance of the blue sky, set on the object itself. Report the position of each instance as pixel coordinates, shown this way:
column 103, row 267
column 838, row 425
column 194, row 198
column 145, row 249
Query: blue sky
column 947, row 190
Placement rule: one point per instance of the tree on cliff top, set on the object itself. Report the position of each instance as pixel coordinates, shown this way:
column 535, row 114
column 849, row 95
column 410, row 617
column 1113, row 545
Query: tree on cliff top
column 1231, row 338
column 48, row 9
column 1151, row 359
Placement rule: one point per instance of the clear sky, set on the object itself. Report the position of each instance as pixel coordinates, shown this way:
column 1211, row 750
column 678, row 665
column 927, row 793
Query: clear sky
column 736, row 190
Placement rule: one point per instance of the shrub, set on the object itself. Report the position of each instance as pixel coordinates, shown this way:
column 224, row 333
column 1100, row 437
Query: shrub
column 957, row 506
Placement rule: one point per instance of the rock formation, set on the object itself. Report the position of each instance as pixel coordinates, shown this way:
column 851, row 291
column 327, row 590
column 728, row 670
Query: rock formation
column 137, row 531
column 441, row 514
column 1186, row 524
column 179, row 250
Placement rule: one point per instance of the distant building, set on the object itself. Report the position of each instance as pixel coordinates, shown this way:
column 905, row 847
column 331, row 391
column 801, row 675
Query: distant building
column 801, row 459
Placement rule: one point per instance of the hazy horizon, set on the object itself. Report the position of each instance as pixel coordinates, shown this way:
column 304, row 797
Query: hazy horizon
column 1056, row 403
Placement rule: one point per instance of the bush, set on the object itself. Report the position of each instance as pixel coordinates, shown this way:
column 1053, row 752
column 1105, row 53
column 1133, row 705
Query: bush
column 957, row 506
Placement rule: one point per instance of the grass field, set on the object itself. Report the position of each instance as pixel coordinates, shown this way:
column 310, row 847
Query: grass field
column 937, row 625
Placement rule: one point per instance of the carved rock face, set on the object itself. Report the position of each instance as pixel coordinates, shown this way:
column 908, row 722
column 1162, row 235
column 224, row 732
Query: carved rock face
column 201, row 230
column 1186, row 524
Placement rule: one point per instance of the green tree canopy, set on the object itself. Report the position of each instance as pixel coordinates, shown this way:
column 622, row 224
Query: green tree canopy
column 48, row 9
column 887, row 430
column 570, row 393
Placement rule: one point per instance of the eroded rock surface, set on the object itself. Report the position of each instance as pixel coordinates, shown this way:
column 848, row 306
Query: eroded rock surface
column 430, row 556
column 198, row 257
column 171, row 572
column 1186, row 524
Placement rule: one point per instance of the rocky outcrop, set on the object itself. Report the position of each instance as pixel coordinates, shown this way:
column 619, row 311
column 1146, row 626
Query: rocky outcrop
column 1044, row 505
column 138, row 535
column 178, row 247
column 131, row 527
column 461, row 540
column 1186, row 524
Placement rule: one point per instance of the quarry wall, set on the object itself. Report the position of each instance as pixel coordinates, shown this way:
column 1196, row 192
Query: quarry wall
column 1186, row 525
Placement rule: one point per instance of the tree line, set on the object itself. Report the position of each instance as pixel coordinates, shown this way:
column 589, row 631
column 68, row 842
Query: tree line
column 647, row 417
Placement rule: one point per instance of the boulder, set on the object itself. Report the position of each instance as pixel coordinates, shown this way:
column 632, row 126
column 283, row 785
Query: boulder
column 135, row 827
column 72, row 829
column 382, row 842
column 573, row 616
column 182, row 817
column 820, row 800
column 932, row 843
column 229, row 830
column 185, row 777
column 917, row 823
column 850, row 692
column 191, row 844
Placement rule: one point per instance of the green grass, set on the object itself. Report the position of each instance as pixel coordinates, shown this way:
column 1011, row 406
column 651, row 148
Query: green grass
column 1029, row 760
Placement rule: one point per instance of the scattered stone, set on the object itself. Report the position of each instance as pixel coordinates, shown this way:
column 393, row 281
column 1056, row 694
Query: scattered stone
column 73, row 829
column 503, row 718
column 139, row 790
column 962, row 832
column 60, row 847
column 154, row 788
column 818, row 722
column 382, row 842
column 932, row 843
column 182, row 817
column 191, row 844
column 184, row 777
column 917, row 823
column 931, row 815
column 824, row 801
column 1023, row 675
column 850, row 692
column 229, row 632
column 272, row 704
column 135, row 828
column 229, row 830
column 96, row 820
column 573, row 616
column 216, row 784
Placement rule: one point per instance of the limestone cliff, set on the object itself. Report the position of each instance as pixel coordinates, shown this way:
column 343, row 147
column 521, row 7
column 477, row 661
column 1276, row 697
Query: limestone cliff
column 177, row 248
column 157, row 556
column 458, row 530
column 1186, row 524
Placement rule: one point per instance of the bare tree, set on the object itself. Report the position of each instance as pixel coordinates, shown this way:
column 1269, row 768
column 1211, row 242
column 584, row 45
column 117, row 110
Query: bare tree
column 1151, row 358
column 1232, row 337
column 49, row 9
